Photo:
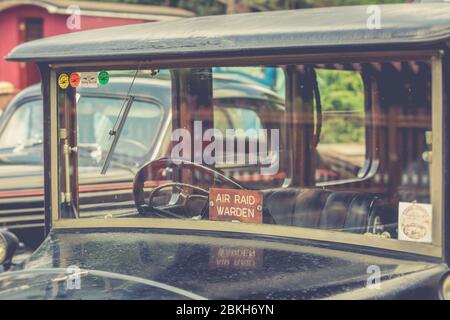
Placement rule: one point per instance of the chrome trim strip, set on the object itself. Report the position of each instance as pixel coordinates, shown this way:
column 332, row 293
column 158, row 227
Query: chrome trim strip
column 26, row 226
column 437, row 166
column 22, row 218
column 54, row 187
column 99, row 273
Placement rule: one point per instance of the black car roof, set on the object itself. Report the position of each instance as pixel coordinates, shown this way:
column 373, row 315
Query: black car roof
column 246, row 33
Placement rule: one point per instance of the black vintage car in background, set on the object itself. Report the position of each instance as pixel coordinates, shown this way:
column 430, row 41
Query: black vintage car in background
column 21, row 143
column 284, row 230
column 21, row 149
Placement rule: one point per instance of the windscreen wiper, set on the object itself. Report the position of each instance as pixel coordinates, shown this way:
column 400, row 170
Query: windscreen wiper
column 116, row 134
column 120, row 122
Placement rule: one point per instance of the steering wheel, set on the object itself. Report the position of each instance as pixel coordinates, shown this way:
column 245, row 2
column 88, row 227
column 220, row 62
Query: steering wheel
column 165, row 170
column 179, row 199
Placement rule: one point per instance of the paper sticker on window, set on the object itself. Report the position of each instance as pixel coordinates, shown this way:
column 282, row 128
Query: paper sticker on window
column 89, row 80
column 415, row 222
column 103, row 77
column 235, row 205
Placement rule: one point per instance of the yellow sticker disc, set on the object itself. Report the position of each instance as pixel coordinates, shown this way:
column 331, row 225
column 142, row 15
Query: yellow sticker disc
column 63, row 81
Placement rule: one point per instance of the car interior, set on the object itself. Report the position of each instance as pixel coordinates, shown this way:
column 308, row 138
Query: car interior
column 347, row 155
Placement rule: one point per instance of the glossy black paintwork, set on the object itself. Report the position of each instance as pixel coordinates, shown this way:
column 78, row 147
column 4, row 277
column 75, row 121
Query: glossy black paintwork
column 259, row 268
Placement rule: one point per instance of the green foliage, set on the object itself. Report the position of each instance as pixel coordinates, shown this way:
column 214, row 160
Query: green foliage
column 342, row 96
column 340, row 130
column 341, row 90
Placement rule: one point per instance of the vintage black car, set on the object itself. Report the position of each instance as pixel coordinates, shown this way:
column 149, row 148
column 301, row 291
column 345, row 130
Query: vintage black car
column 370, row 98
column 21, row 150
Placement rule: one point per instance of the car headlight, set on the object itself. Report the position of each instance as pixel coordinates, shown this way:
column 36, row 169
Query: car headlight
column 3, row 248
column 8, row 246
column 445, row 287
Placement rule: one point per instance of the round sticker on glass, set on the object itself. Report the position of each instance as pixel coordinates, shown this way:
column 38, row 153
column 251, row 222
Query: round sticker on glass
column 63, row 81
column 74, row 80
column 103, row 77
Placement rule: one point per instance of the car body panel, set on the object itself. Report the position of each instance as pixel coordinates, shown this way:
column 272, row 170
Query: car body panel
column 218, row 35
column 216, row 266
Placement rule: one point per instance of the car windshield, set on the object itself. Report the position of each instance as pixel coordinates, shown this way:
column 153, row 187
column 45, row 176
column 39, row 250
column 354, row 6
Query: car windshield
column 327, row 146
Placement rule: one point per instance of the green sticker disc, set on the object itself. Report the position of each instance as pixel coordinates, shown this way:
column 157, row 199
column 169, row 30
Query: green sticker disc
column 103, row 77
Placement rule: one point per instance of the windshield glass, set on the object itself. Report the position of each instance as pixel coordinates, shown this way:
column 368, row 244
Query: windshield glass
column 21, row 139
column 342, row 147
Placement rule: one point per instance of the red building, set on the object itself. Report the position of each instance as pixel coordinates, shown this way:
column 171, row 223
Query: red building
column 22, row 21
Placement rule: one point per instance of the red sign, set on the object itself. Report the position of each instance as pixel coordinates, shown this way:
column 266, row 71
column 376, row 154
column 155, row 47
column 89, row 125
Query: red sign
column 235, row 205
column 75, row 80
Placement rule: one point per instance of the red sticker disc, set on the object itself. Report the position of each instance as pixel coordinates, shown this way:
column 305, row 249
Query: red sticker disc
column 75, row 80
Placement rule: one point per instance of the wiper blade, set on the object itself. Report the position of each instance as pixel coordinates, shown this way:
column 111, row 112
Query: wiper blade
column 32, row 144
column 116, row 134
column 120, row 122
column 25, row 145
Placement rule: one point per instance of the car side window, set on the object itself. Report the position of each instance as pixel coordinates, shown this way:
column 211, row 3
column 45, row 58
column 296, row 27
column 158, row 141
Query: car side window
column 249, row 114
column 24, row 127
column 246, row 118
column 236, row 118
column 341, row 150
